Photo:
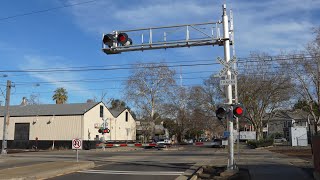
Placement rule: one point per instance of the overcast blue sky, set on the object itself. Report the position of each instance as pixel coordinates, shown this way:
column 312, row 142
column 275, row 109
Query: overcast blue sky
column 71, row 37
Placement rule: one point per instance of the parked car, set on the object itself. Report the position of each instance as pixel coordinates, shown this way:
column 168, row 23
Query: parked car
column 217, row 143
column 279, row 140
column 163, row 143
column 188, row 141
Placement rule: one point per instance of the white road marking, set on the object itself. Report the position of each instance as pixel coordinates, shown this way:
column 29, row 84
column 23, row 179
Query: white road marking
column 156, row 173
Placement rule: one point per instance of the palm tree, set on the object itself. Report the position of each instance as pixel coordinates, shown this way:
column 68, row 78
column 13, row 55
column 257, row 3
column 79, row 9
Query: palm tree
column 60, row 96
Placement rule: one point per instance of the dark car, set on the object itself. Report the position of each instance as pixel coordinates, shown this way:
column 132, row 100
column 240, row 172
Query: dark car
column 217, row 143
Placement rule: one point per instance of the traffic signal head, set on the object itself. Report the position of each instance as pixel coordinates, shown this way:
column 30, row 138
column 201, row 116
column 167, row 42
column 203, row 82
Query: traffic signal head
column 123, row 39
column 108, row 39
column 99, row 131
column 221, row 113
column 238, row 111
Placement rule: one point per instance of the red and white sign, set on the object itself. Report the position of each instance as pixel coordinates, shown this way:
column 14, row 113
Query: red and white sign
column 97, row 125
column 76, row 143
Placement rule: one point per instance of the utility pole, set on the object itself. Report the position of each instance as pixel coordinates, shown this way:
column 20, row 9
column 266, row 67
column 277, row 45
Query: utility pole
column 236, row 99
column 6, row 119
column 229, row 118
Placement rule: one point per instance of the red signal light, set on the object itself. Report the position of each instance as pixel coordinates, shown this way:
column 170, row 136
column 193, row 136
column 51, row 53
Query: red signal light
column 122, row 38
column 99, row 131
column 238, row 111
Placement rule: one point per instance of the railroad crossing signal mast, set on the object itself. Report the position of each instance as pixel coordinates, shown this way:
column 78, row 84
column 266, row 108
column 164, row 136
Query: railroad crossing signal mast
column 201, row 34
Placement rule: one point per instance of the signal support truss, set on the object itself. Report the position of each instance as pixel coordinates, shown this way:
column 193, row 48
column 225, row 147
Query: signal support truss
column 188, row 35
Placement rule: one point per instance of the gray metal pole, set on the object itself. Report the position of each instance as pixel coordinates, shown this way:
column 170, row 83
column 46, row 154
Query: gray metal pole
column 6, row 119
column 236, row 100
column 229, row 87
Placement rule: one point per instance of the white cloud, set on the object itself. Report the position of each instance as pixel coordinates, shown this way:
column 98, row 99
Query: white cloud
column 284, row 25
column 259, row 25
column 40, row 62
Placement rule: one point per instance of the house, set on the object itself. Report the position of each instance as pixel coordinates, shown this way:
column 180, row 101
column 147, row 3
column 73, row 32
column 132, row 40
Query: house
column 56, row 125
column 282, row 121
column 122, row 126
column 145, row 129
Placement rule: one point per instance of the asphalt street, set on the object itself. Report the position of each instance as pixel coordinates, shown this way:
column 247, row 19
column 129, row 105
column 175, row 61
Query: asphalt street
column 138, row 163
column 147, row 164
column 131, row 170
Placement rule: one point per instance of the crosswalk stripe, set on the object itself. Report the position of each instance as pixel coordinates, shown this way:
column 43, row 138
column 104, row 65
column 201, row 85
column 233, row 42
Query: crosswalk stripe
column 158, row 173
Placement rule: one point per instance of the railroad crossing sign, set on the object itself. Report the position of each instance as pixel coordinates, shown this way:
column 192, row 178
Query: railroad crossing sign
column 227, row 66
column 76, row 143
column 227, row 82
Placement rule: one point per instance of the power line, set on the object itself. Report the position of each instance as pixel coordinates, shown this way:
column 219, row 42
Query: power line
column 46, row 10
column 95, row 68
column 88, row 90
column 103, row 69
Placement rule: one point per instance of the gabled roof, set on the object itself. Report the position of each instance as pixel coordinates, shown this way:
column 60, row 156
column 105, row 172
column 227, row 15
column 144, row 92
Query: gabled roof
column 284, row 115
column 49, row 109
column 116, row 112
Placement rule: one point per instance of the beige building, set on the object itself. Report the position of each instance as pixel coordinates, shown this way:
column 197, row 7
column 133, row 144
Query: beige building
column 58, row 124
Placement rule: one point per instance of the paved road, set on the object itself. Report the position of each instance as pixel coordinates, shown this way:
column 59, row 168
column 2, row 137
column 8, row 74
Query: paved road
column 148, row 164
column 166, row 164
column 130, row 170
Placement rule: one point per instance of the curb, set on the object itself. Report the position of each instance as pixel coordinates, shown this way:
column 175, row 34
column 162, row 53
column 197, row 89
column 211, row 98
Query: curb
column 45, row 170
column 190, row 173
column 197, row 171
column 264, row 147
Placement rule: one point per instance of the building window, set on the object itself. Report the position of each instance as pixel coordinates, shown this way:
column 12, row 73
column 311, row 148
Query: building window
column 101, row 111
column 127, row 116
column 285, row 124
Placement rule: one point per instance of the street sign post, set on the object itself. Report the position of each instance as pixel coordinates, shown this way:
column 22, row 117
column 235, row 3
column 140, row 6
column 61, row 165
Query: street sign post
column 226, row 134
column 77, row 144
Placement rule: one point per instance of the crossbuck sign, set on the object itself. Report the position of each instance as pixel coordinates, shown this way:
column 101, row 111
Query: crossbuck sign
column 227, row 67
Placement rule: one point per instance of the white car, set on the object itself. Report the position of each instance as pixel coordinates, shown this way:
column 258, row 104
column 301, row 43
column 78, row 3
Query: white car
column 163, row 142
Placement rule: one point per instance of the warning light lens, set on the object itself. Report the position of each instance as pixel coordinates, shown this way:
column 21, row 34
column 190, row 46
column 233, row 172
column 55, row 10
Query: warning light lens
column 221, row 113
column 239, row 110
column 122, row 38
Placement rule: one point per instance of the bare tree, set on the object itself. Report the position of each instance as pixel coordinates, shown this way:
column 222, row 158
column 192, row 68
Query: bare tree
column 201, row 103
column 101, row 98
column 262, row 88
column 305, row 70
column 33, row 99
column 149, row 86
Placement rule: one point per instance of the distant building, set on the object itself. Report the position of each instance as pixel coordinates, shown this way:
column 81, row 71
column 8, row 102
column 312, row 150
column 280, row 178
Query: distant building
column 282, row 121
column 58, row 124
column 149, row 131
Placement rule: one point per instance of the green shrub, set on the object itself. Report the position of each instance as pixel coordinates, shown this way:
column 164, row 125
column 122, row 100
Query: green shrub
column 260, row 143
column 275, row 135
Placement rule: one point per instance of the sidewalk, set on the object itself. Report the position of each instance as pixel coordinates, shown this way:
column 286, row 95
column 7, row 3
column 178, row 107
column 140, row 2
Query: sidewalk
column 261, row 165
column 14, row 168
